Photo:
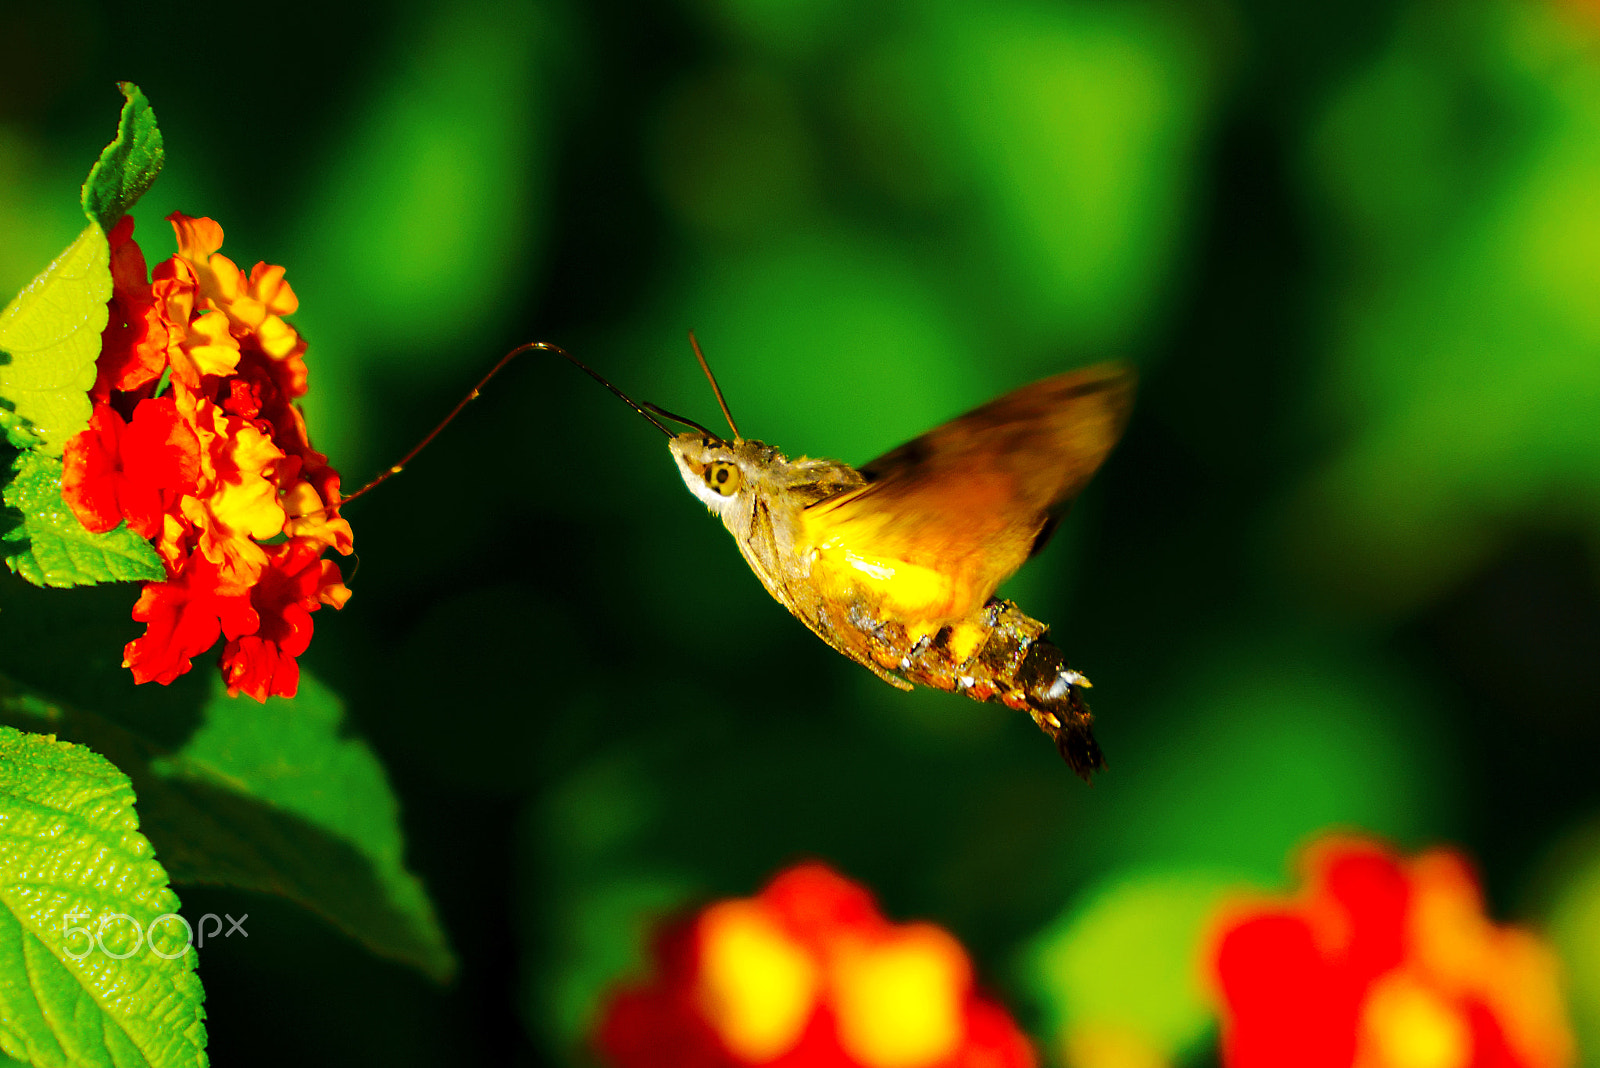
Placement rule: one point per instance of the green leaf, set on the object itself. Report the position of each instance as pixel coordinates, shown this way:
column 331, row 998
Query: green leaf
column 289, row 755
column 1125, row 961
column 128, row 165
column 50, row 335
column 73, row 866
column 272, row 798
column 49, row 547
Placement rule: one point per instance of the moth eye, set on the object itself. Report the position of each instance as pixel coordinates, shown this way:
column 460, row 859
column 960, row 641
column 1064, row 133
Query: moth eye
column 724, row 477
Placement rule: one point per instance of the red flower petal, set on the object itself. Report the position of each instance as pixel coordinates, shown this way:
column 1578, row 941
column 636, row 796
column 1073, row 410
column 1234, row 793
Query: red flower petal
column 1383, row 961
column 807, row 974
column 260, row 669
column 185, row 617
column 161, row 456
column 210, row 467
column 134, row 344
column 1372, row 892
column 654, row 1028
column 817, row 903
column 134, row 471
column 1287, row 1002
column 91, row 469
column 295, row 583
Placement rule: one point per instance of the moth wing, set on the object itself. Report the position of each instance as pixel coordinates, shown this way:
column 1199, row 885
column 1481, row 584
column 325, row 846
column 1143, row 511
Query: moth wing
column 946, row 517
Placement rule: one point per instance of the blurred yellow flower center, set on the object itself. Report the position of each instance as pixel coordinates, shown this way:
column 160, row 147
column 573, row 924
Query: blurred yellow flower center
column 756, row 986
column 1111, row 1045
column 1407, row 1025
column 899, row 1004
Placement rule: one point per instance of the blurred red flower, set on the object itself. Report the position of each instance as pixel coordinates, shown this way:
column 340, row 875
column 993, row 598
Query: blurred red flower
column 808, row 974
column 217, row 468
column 1385, row 963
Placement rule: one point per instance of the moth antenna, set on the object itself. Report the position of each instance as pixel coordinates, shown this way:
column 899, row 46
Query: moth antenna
column 678, row 418
column 714, row 388
column 544, row 346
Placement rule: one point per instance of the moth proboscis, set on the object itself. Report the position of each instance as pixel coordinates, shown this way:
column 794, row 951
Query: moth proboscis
column 895, row 563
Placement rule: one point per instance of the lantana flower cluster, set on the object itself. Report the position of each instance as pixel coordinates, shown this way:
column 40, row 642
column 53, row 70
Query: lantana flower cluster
column 195, row 441
column 1386, row 963
column 808, row 974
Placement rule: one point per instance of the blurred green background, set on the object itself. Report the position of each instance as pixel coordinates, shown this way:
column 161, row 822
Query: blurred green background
column 1342, row 571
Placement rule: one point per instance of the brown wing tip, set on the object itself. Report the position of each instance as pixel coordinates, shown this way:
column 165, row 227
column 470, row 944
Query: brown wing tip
column 1114, row 377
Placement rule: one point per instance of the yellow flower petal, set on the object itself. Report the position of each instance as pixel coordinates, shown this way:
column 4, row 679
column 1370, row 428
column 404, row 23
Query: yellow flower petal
column 1465, row 954
column 246, row 499
column 267, row 286
column 207, row 348
column 308, row 518
column 197, row 238
column 899, row 1003
column 277, row 338
column 1110, row 1045
column 1406, row 1023
column 334, row 595
column 237, row 503
column 221, row 281
column 756, row 987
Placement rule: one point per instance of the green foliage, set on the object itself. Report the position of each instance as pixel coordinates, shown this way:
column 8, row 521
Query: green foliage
column 50, row 337
column 1265, row 742
column 1572, row 918
column 597, row 918
column 1126, row 960
column 289, row 758
column 272, row 798
column 49, row 547
column 432, row 194
column 78, row 986
column 129, row 163
column 1079, row 122
column 1352, row 249
column 790, row 320
column 1465, row 375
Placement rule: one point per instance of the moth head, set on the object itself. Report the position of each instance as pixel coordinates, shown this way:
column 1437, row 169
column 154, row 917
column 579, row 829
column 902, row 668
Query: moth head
column 720, row 473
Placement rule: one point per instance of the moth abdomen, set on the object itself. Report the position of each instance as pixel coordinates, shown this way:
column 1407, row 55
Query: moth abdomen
column 1005, row 656
column 1055, row 701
